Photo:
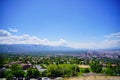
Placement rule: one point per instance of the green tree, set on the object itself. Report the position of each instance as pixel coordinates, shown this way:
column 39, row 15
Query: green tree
column 46, row 73
column 33, row 73
column 112, row 70
column 108, row 71
column 8, row 75
column 62, row 70
column 96, row 67
column 1, row 61
column 30, row 73
column 36, row 73
column 17, row 70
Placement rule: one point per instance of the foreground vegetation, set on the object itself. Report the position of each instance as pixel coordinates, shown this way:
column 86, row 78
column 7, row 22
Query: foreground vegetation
column 57, row 66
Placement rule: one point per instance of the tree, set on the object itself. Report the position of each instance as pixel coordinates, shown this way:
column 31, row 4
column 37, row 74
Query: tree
column 36, row 73
column 29, row 73
column 118, row 70
column 85, row 70
column 112, row 70
column 17, row 70
column 33, row 73
column 8, row 75
column 96, row 67
column 61, row 70
column 1, row 61
column 16, row 67
column 46, row 73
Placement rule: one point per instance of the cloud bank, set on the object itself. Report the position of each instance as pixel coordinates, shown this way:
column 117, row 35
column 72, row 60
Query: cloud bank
column 6, row 37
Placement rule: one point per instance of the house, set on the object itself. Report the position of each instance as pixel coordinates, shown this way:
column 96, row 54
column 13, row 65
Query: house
column 25, row 66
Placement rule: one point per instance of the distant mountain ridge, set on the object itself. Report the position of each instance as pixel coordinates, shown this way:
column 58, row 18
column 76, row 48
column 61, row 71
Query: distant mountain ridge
column 26, row 48
column 39, row 49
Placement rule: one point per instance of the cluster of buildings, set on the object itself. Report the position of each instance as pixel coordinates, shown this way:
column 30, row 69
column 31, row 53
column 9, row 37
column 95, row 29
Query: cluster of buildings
column 25, row 66
column 101, row 54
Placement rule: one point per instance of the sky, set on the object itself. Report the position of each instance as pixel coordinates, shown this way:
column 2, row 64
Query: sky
column 73, row 23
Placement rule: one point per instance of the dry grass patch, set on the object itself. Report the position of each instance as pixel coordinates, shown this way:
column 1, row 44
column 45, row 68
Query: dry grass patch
column 94, row 78
column 83, row 66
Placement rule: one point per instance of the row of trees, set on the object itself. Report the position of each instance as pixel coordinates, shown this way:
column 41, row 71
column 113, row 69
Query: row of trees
column 61, row 70
column 17, row 71
column 56, row 60
column 14, row 71
column 112, row 70
column 53, row 70
column 109, row 69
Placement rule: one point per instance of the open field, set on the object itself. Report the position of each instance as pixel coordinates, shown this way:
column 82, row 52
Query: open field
column 83, row 66
column 94, row 78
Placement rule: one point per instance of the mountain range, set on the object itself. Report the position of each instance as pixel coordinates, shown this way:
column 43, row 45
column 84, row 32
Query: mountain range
column 28, row 48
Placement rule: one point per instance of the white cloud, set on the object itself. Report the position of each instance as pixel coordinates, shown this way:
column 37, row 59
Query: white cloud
column 113, row 35
column 7, row 38
column 113, row 40
column 60, row 42
column 13, row 30
column 4, row 33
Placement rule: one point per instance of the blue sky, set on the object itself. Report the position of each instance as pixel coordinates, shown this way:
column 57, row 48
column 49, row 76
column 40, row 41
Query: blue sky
column 76, row 21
